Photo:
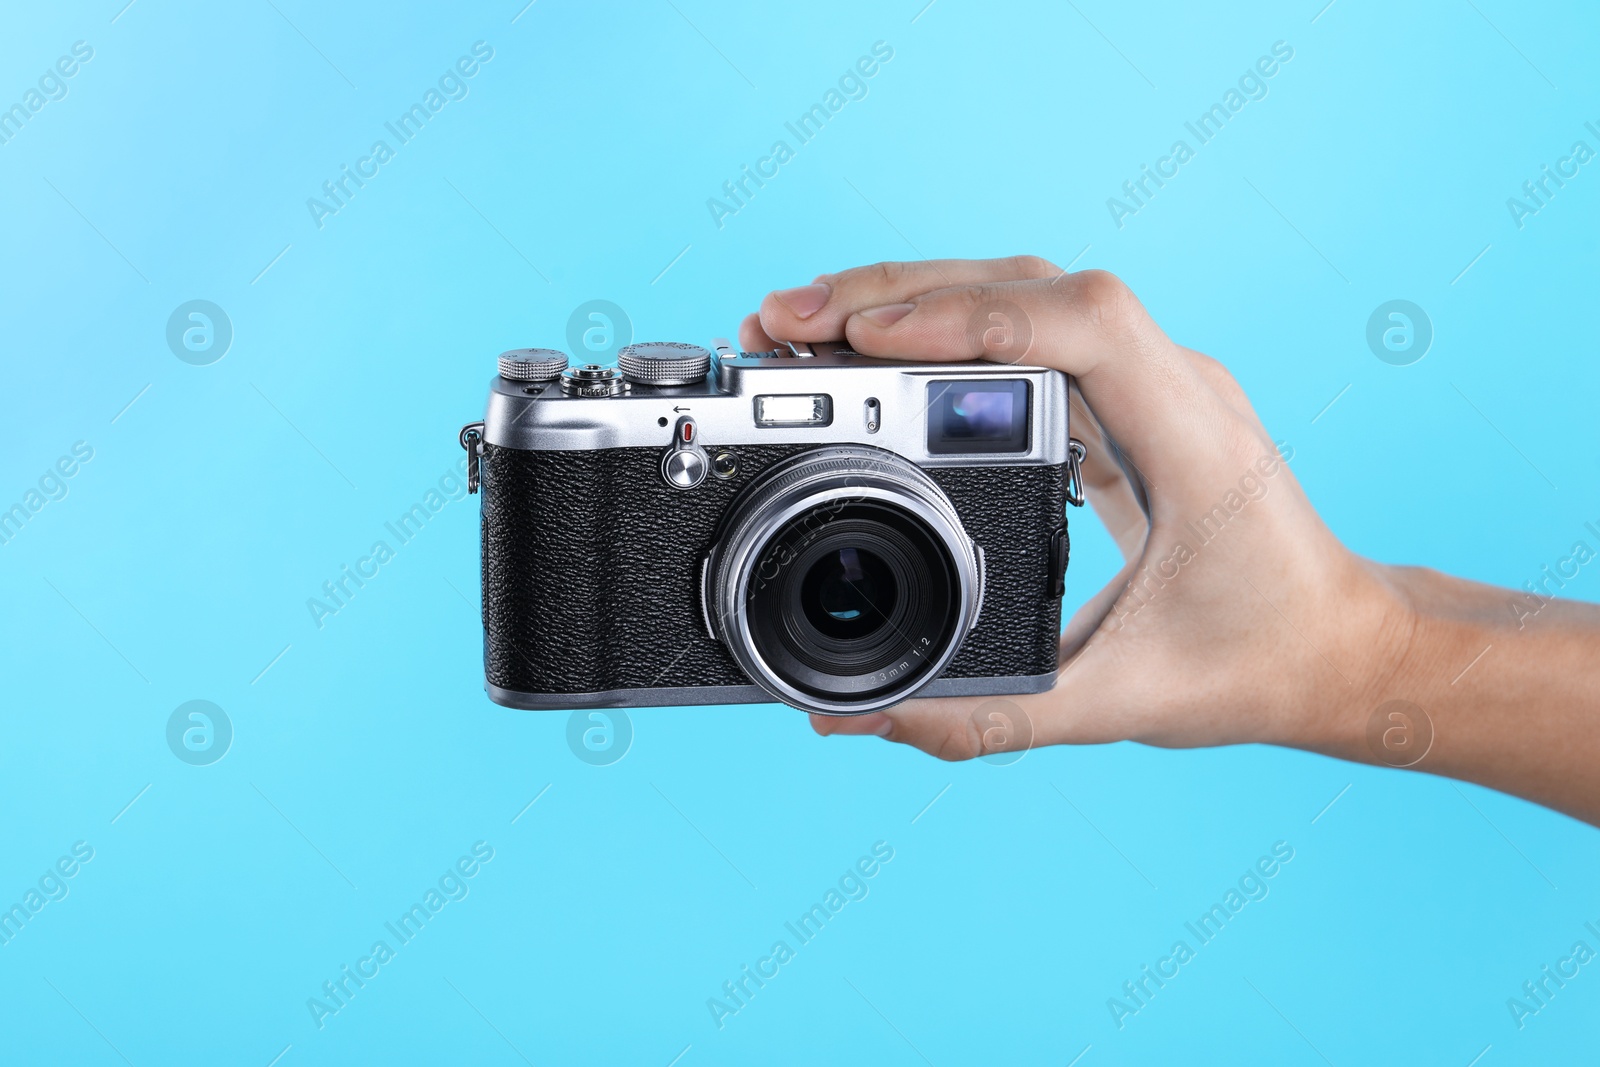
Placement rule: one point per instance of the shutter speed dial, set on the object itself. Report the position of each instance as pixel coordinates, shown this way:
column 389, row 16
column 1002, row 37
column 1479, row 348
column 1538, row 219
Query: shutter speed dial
column 664, row 363
column 685, row 464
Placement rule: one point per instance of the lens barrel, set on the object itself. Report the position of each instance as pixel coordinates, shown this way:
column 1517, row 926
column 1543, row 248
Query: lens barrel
column 844, row 581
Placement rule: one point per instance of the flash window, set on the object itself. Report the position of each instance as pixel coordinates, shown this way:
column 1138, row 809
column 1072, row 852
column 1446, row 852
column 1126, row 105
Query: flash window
column 809, row 409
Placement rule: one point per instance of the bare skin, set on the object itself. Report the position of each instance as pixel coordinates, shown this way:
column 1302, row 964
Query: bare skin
column 1239, row 617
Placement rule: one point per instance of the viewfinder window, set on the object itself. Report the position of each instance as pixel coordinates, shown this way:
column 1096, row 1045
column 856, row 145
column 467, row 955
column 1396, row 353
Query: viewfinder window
column 978, row 416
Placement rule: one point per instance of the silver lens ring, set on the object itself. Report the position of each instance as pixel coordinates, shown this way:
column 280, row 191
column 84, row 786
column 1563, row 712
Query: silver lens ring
column 822, row 482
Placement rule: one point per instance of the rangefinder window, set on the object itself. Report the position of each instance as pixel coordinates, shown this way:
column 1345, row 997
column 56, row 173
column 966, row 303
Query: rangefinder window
column 978, row 416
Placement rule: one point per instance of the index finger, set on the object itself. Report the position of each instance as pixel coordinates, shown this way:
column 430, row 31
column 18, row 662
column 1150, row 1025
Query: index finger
column 819, row 311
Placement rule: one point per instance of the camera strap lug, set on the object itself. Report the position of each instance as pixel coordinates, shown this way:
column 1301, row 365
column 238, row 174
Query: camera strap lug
column 1075, row 456
column 472, row 440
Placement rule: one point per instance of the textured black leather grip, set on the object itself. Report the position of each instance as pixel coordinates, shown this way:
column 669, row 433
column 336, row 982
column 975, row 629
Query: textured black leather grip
column 591, row 569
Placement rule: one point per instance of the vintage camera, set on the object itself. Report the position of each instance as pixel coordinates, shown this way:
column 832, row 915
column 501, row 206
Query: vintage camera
column 808, row 525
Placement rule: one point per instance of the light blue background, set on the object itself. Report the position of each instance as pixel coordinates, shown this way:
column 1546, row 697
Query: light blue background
column 366, row 759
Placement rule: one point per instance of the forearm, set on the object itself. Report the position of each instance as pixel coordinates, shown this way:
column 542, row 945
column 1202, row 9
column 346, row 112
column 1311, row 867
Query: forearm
column 1508, row 685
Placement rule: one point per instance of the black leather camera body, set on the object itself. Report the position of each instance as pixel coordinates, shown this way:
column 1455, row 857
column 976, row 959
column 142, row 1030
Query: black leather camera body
column 811, row 526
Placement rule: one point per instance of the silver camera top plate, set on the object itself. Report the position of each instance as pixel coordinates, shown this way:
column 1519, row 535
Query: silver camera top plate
column 878, row 402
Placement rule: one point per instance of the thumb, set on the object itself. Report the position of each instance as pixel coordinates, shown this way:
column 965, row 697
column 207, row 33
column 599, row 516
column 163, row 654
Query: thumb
column 964, row 728
column 940, row 728
column 951, row 728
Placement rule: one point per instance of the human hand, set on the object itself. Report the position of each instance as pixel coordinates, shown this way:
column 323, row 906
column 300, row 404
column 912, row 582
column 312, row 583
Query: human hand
column 1237, row 617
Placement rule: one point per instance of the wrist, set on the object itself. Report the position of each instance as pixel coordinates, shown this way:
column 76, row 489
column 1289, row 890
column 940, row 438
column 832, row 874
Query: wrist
column 1384, row 641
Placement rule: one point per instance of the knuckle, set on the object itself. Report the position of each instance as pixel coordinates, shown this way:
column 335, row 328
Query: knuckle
column 952, row 753
column 1032, row 267
column 1106, row 300
column 997, row 295
column 973, row 297
column 995, row 319
column 889, row 274
column 1228, row 387
column 772, row 309
column 961, row 741
column 1213, row 368
column 955, row 739
column 1221, row 379
column 975, row 307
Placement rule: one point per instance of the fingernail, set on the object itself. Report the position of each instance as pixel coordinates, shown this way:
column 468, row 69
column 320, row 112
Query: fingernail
column 805, row 301
column 887, row 315
column 883, row 728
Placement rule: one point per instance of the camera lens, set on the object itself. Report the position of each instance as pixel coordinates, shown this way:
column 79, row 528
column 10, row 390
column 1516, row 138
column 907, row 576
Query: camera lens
column 844, row 581
column 849, row 599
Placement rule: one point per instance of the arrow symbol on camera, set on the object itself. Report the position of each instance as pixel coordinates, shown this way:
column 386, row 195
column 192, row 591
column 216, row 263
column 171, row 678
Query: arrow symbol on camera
column 680, row 409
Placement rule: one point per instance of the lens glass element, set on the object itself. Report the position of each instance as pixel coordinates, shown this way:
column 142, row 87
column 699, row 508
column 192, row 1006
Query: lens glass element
column 848, row 593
